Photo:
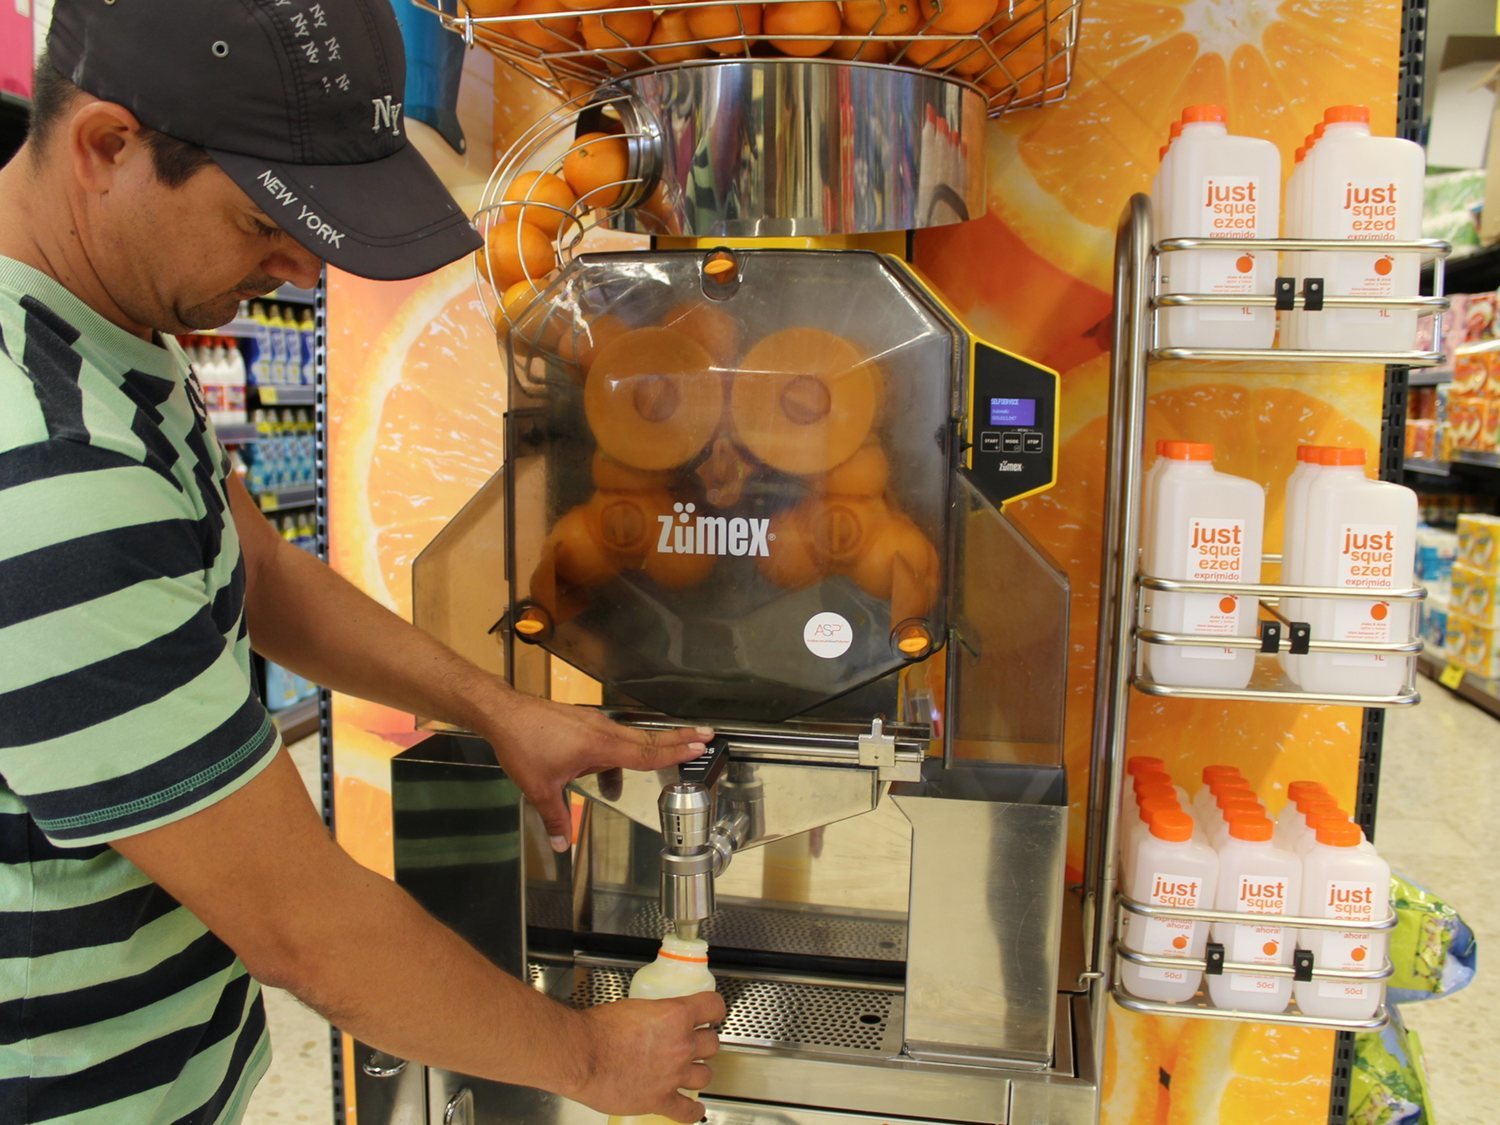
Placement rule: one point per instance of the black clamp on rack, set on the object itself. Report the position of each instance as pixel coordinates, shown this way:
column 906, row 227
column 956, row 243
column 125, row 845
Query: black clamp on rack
column 1286, row 294
column 1312, row 294
column 1300, row 633
column 1213, row 956
column 1302, row 965
column 1270, row 636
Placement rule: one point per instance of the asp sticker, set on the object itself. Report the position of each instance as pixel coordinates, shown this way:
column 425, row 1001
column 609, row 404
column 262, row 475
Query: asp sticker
column 828, row 635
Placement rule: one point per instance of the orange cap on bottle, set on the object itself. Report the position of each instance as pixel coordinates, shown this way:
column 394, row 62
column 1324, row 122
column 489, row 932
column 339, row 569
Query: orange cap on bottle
column 1340, row 834
column 1241, row 806
column 1189, row 451
column 1256, row 827
column 1322, row 817
column 1304, row 788
column 1149, row 784
column 1310, row 803
column 1156, row 803
column 1317, row 134
column 1342, row 456
column 1301, row 155
column 1139, row 762
column 1174, row 132
column 1172, row 824
column 1211, row 774
column 1222, row 787
column 1339, row 114
column 1195, row 113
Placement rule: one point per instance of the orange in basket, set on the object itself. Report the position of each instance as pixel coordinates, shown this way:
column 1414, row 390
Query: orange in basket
column 559, row 34
column 958, row 17
column 803, row 17
column 517, row 252
column 671, row 39
column 551, row 195
column 596, row 168
column 616, row 31
column 483, row 9
column 725, row 23
column 881, row 17
column 858, row 49
column 513, row 302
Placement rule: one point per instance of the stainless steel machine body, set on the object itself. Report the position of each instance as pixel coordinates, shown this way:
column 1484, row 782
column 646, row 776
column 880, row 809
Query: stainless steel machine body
column 762, row 489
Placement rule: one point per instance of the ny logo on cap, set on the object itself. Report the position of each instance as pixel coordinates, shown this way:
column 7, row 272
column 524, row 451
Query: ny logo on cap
column 387, row 115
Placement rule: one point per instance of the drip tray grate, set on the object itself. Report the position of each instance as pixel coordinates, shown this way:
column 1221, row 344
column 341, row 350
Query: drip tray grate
column 814, row 1018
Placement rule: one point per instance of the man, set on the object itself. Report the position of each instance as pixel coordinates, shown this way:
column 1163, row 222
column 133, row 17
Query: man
column 158, row 854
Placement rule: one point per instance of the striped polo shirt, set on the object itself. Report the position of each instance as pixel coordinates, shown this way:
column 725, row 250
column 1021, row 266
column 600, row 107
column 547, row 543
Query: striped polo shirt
column 126, row 703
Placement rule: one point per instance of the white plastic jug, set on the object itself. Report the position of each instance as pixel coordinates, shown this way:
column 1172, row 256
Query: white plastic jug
column 1205, row 526
column 1359, row 533
column 1170, row 869
column 1344, row 881
column 1215, row 185
column 1255, row 877
column 680, row 969
column 1363, row 188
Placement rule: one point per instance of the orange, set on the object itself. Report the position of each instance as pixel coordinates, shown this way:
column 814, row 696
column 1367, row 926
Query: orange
column 560, row 34
column 513, row 303
column 483, row 9
column 853, row 45
column 596, row 168
column 552, row 196
column 516, row 252
column 725, row 23
column 1251, row 1074
column 803, row 17
column 409, row 443
column 709, row 326
column 881, row 17
column 671, row 38
column 959, row 17
column 1060, row 178
column 612, row 33
column 1132, row 1067
column 1027, row 71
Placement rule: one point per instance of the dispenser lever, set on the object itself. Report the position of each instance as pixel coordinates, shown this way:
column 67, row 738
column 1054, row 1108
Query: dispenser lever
column 705, row 769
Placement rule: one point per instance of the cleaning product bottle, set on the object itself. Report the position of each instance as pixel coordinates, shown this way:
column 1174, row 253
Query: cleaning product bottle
column 1341, row 880
column 1206, row 527
column 1255, row 877
column 680, row 969
column 1364, row 188
column 1359, row 533
column 235, row 382
column 1219, row 186
column 1171, row 869
column 309, row 335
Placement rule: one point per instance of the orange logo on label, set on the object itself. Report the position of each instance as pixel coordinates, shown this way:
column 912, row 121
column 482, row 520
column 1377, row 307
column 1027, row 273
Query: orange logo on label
column 1270, row 948
column 1179, row 942
column 1226, row 605
column 1380, row 611
column 1245, row 263
column 1357, row 953
column 1384, row 265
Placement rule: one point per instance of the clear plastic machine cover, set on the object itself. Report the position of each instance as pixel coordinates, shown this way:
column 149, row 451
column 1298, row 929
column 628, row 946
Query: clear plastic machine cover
column 731, row 488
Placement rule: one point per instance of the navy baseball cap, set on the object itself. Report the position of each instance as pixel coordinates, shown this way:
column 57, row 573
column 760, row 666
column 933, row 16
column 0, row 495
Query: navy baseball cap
column 298, row 101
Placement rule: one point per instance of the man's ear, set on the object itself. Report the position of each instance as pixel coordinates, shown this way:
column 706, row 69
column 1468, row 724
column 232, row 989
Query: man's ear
column 102, row 138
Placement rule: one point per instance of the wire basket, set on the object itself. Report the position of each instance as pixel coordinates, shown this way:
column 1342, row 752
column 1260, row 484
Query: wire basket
column 1018, row 53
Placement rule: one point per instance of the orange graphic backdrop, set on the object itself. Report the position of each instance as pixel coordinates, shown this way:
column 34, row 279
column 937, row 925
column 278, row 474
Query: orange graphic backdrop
column 416, row 393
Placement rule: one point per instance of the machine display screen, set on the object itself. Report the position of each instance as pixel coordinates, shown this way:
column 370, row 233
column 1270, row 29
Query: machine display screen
column 1012, row 411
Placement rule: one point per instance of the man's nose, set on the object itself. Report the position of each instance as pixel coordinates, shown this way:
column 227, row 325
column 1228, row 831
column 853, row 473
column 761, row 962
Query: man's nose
column 292, row 262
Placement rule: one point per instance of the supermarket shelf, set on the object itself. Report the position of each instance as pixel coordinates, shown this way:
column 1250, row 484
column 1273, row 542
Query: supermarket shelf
column 238, row 329
column 281, row 499
column 236, row 433
column 1429, row 376
column 284, row 396
column 1428, row 468
column 1482, row 693
column 297, row 721
column 1474, row 460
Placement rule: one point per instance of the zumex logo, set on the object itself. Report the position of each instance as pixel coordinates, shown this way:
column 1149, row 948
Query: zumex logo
column 685, row 534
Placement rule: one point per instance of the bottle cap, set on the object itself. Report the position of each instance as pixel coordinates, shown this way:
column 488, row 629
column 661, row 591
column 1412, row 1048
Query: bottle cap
column 1196, row 113
column 1158, row 802
column 1317, row 134
column 1304, row 788
column 1343, row 456
column 1248, row 826
column 1211, row 774
column 1142, row 762
column 1310, row 803
column 1241, row 806
column 1174, row 132
column 1343, row 113
column 1162, row 153
column 1161, row 446
column 1301, row 155
column 1146, row 787
column 1226, row 787
column 1317, row 819
column 1304, row 452
column 1189, row 451
column 1339, row 834
column 1172, row 824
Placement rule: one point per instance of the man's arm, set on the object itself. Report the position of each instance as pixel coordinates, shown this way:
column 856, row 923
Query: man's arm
column 259, row 869
column 304, row 616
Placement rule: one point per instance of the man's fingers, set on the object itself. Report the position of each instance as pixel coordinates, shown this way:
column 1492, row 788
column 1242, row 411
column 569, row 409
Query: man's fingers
column 705, row 1045
column 657, row 748
column 686, row 1110
column 705, row 1008
column 553, row 810
column 695, row 1076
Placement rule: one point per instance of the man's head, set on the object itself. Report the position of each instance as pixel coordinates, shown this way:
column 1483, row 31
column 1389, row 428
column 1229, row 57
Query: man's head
column 221, row 148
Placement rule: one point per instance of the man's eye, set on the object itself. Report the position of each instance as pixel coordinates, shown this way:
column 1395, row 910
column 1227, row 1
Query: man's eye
column 265, row 230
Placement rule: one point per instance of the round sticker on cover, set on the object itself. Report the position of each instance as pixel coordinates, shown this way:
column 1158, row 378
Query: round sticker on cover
column 828, row 635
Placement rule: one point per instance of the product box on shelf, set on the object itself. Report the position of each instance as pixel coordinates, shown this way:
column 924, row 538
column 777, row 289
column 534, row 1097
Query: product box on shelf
column 1472, row 371
column 1479, row 541
column 1482, row 650
column 1435, row 624
column 1436, row 551
column 1469, row 425
column 1454, row 642
column 1476, row 595
column 1479, row 317
column 1421, row 439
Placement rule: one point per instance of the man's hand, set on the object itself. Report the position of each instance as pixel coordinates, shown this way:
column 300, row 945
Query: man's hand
column 645, row 1051
column 544, row 745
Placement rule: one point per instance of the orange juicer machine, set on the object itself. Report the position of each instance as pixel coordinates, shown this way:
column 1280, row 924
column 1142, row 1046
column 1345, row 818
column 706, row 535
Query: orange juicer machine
column 755, row 477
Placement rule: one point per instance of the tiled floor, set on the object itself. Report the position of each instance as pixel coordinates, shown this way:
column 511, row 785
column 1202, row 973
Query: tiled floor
column 1440, row 799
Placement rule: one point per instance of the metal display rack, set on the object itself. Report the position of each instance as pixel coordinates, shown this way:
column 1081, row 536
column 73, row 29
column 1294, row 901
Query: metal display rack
column 1137, row 299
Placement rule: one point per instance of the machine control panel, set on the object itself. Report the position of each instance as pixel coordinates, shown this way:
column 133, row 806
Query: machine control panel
column 1012, row 425
column 706, row 767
